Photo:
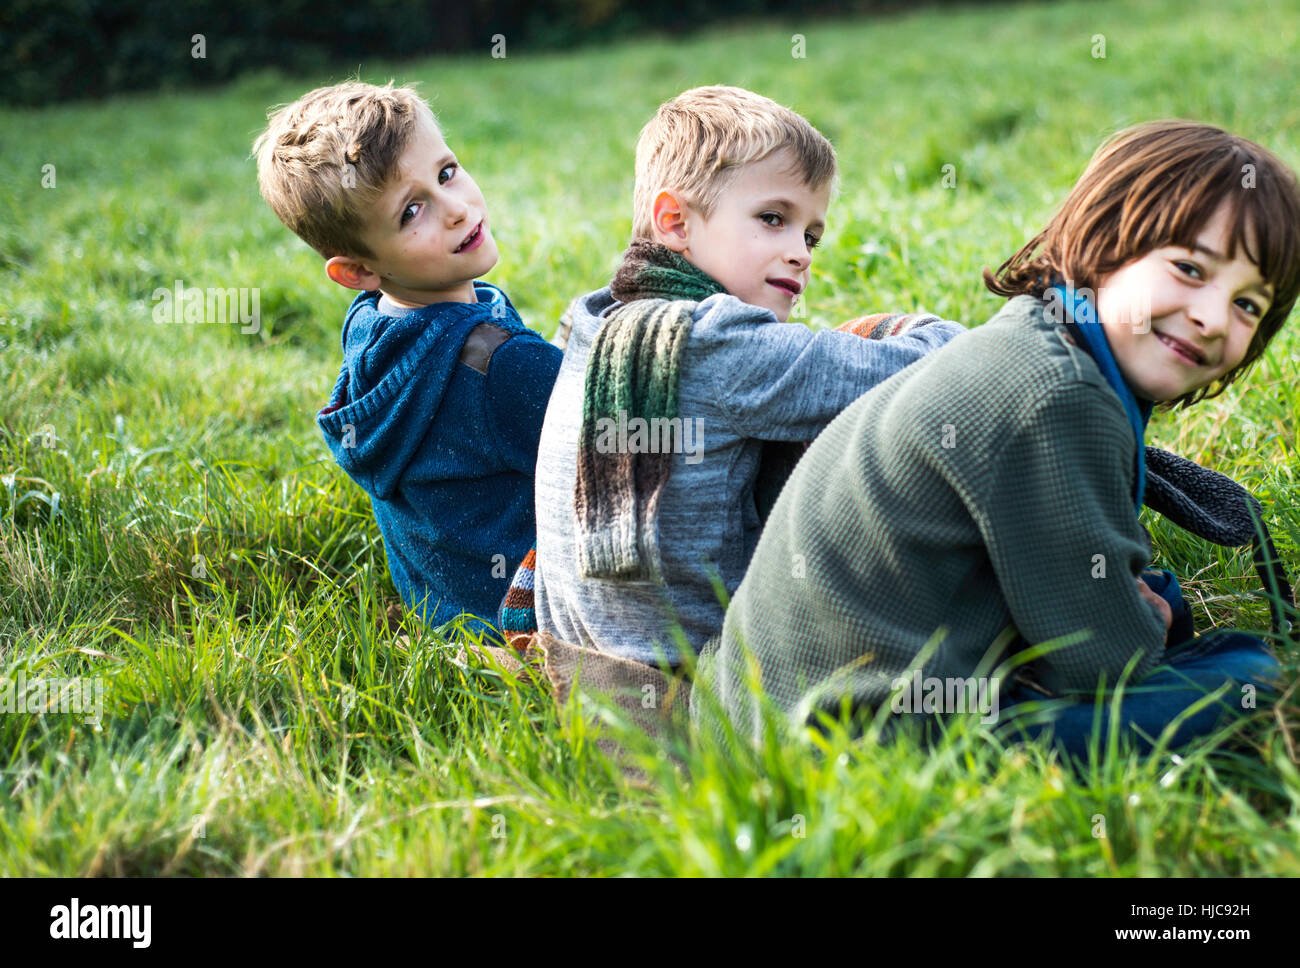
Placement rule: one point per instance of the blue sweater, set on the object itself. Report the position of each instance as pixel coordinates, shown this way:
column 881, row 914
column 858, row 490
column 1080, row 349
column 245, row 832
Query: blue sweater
column 444, row 442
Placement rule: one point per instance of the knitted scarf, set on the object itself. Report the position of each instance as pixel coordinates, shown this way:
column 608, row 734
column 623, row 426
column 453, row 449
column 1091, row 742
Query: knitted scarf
column 652, row 273
column 631, row 380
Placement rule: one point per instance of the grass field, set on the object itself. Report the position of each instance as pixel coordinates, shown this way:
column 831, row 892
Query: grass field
column 172, row 526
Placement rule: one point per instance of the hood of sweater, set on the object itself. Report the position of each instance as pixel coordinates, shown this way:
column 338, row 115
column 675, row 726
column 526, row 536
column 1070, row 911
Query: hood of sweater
column 588, row 314
column 395, row 371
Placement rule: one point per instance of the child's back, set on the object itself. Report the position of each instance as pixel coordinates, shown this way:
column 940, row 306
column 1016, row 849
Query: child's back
column 985, row 502
column 913, row 514
column 744, row 379
column 634, row 546
column 438, row 405
column 436, row 415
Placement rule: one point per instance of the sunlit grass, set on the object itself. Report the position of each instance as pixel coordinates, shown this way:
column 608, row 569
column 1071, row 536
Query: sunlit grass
column 172, row 524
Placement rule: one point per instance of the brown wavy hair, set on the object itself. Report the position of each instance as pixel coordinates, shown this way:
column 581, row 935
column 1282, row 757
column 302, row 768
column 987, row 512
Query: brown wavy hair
column 1157, row 184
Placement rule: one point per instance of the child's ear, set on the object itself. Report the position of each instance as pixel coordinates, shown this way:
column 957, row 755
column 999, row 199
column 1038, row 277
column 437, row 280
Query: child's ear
column 351, row 273
column 668, row 220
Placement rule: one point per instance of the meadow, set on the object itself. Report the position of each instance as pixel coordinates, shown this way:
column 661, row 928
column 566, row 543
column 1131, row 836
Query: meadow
column 173, row 529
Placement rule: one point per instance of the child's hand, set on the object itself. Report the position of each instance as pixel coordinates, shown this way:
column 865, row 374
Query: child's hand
column 1161, row 605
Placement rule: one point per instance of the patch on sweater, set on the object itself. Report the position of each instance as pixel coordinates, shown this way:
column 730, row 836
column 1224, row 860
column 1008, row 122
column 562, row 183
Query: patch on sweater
column 480, row 344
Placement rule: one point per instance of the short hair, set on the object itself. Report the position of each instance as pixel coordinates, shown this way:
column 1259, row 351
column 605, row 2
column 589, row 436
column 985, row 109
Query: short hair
column 1157, row 184
column 324, row 160
column 697, row 141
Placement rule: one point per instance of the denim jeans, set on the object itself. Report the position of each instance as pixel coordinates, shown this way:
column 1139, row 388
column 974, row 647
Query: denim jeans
column 1191, row 670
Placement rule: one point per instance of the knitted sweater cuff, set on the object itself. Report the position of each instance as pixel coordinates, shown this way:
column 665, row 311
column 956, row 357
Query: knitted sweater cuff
column 885, row 325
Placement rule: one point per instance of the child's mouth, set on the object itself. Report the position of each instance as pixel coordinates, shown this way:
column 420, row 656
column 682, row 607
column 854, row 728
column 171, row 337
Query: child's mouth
column 785, row 285
column 1188, row 353
column 471, row 241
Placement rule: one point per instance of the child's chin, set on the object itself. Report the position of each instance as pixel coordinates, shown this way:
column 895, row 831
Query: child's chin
column 780, row 308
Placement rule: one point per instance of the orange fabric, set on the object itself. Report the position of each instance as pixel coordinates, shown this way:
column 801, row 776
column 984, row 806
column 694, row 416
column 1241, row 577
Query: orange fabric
column 863, row 325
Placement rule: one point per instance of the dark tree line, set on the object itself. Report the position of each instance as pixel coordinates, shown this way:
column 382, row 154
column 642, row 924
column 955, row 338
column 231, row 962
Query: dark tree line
column 56, row 50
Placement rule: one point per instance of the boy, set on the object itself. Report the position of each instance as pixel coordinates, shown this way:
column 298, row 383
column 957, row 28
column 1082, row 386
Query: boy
column 438, row 407
column 982, row 506
column 677, row 373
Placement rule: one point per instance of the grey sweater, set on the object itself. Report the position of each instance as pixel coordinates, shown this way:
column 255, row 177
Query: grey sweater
column 984, row 492
column 745, row 378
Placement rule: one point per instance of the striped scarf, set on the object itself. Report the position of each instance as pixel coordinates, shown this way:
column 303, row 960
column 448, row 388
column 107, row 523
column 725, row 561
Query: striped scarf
column 642, row 351
column 634, row 367
column 631, row 381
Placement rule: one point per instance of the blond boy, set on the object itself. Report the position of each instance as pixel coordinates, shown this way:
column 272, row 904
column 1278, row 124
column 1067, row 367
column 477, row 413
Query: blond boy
column 675, row 376
column 439, row 402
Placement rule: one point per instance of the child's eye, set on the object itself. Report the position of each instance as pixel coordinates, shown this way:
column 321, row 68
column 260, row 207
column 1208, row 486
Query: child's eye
column 1189, row 268
column 810, row 240
column 1251, row 307
column 406, row 210
column 771, row 218
column 447, row 174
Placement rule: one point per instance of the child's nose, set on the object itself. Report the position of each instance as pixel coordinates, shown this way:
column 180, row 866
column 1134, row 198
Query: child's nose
column 1212, row 311
column 455, row 209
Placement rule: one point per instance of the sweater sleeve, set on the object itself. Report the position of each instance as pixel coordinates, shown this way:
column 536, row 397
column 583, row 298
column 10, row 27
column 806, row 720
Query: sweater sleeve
column 783, row 381
column 1056, row 514
column 520, row 377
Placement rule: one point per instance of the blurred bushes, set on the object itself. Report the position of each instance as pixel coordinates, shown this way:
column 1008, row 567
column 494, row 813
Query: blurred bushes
column 56, row 50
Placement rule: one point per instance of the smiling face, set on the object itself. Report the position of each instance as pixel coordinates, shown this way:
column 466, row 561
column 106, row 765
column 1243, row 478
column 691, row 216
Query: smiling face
column 428, row 231
column 1203, row 312
column 758, row 241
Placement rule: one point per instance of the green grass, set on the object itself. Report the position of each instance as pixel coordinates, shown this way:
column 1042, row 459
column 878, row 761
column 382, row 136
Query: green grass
column 209, row 562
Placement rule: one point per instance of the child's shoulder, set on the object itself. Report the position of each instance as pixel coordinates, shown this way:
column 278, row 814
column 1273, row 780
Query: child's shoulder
column 725, row 324
column 373, row 314
column 713, row 315
column 722, row 312
column 1027, row 344
column 382, row 340
column 1018, row 373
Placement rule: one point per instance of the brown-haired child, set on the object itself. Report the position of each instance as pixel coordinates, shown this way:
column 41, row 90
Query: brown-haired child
column 983, row 502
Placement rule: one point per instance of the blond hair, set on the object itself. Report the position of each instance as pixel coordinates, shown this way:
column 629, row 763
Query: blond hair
column 324, row 160
column 697, row 142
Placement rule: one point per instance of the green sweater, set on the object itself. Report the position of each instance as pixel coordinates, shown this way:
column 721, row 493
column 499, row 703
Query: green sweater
column 984, row 491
